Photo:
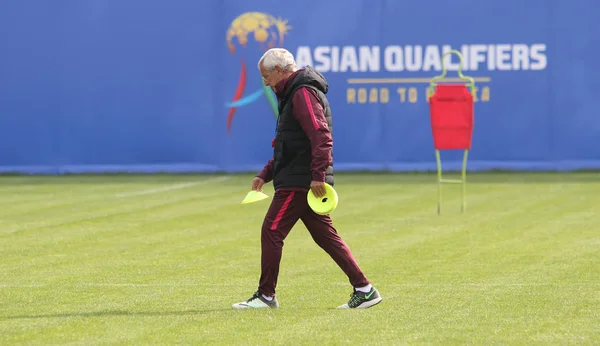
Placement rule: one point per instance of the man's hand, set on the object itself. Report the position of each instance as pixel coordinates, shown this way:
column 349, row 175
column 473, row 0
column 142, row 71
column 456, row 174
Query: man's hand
column 257, row 184
column 318, row 188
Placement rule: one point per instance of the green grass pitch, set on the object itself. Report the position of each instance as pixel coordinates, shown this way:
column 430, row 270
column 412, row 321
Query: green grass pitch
column 159, row 259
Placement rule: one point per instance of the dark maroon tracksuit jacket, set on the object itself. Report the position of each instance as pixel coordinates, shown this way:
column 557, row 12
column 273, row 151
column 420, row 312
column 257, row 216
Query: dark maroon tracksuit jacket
column 302, row 153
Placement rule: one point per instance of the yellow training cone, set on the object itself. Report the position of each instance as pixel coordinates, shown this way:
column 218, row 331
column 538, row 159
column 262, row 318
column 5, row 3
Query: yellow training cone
column 323, row 205
column 254, row 196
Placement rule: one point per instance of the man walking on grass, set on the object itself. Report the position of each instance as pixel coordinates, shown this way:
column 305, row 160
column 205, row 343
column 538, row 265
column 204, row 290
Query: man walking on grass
column 302, row 160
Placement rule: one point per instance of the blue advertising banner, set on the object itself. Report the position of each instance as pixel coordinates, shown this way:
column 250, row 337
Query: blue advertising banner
column 173, row 86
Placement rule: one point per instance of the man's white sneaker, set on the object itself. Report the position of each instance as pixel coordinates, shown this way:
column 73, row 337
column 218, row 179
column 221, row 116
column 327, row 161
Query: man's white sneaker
column 361, row 300
column 257, row 301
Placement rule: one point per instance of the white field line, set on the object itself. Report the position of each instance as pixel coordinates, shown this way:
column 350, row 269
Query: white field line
column 171, row 187
column 25, row 225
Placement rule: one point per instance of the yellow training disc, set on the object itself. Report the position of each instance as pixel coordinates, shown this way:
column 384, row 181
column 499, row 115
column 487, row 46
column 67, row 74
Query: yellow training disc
column 325, row 204
column 254, row 196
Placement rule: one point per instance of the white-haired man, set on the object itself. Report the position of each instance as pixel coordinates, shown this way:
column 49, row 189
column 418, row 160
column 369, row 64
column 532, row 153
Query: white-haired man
column 302, row 160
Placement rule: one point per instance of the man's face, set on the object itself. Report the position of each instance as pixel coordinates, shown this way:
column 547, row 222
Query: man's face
column 272, row 77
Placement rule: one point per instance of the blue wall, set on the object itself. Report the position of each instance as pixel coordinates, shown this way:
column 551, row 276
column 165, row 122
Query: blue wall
column 143, row 85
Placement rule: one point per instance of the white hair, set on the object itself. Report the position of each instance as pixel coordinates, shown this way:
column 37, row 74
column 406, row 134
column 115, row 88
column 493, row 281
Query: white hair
column 278, row 57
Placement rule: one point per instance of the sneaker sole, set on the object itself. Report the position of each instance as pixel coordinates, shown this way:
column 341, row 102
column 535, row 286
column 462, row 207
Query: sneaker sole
column 235, row 306
column 363, row 305
column 369, row 303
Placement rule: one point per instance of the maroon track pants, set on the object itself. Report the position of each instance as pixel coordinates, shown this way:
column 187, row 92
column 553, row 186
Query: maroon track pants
column 285, row 210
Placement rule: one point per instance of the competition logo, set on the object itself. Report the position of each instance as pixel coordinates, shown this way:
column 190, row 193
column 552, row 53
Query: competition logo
column 378, row 74
column 248, row 35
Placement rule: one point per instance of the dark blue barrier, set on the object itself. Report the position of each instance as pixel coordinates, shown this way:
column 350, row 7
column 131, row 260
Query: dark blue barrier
column 144, row 86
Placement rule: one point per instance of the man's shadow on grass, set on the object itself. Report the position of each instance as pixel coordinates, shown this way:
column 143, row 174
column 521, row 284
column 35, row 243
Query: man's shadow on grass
column 112, row 313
